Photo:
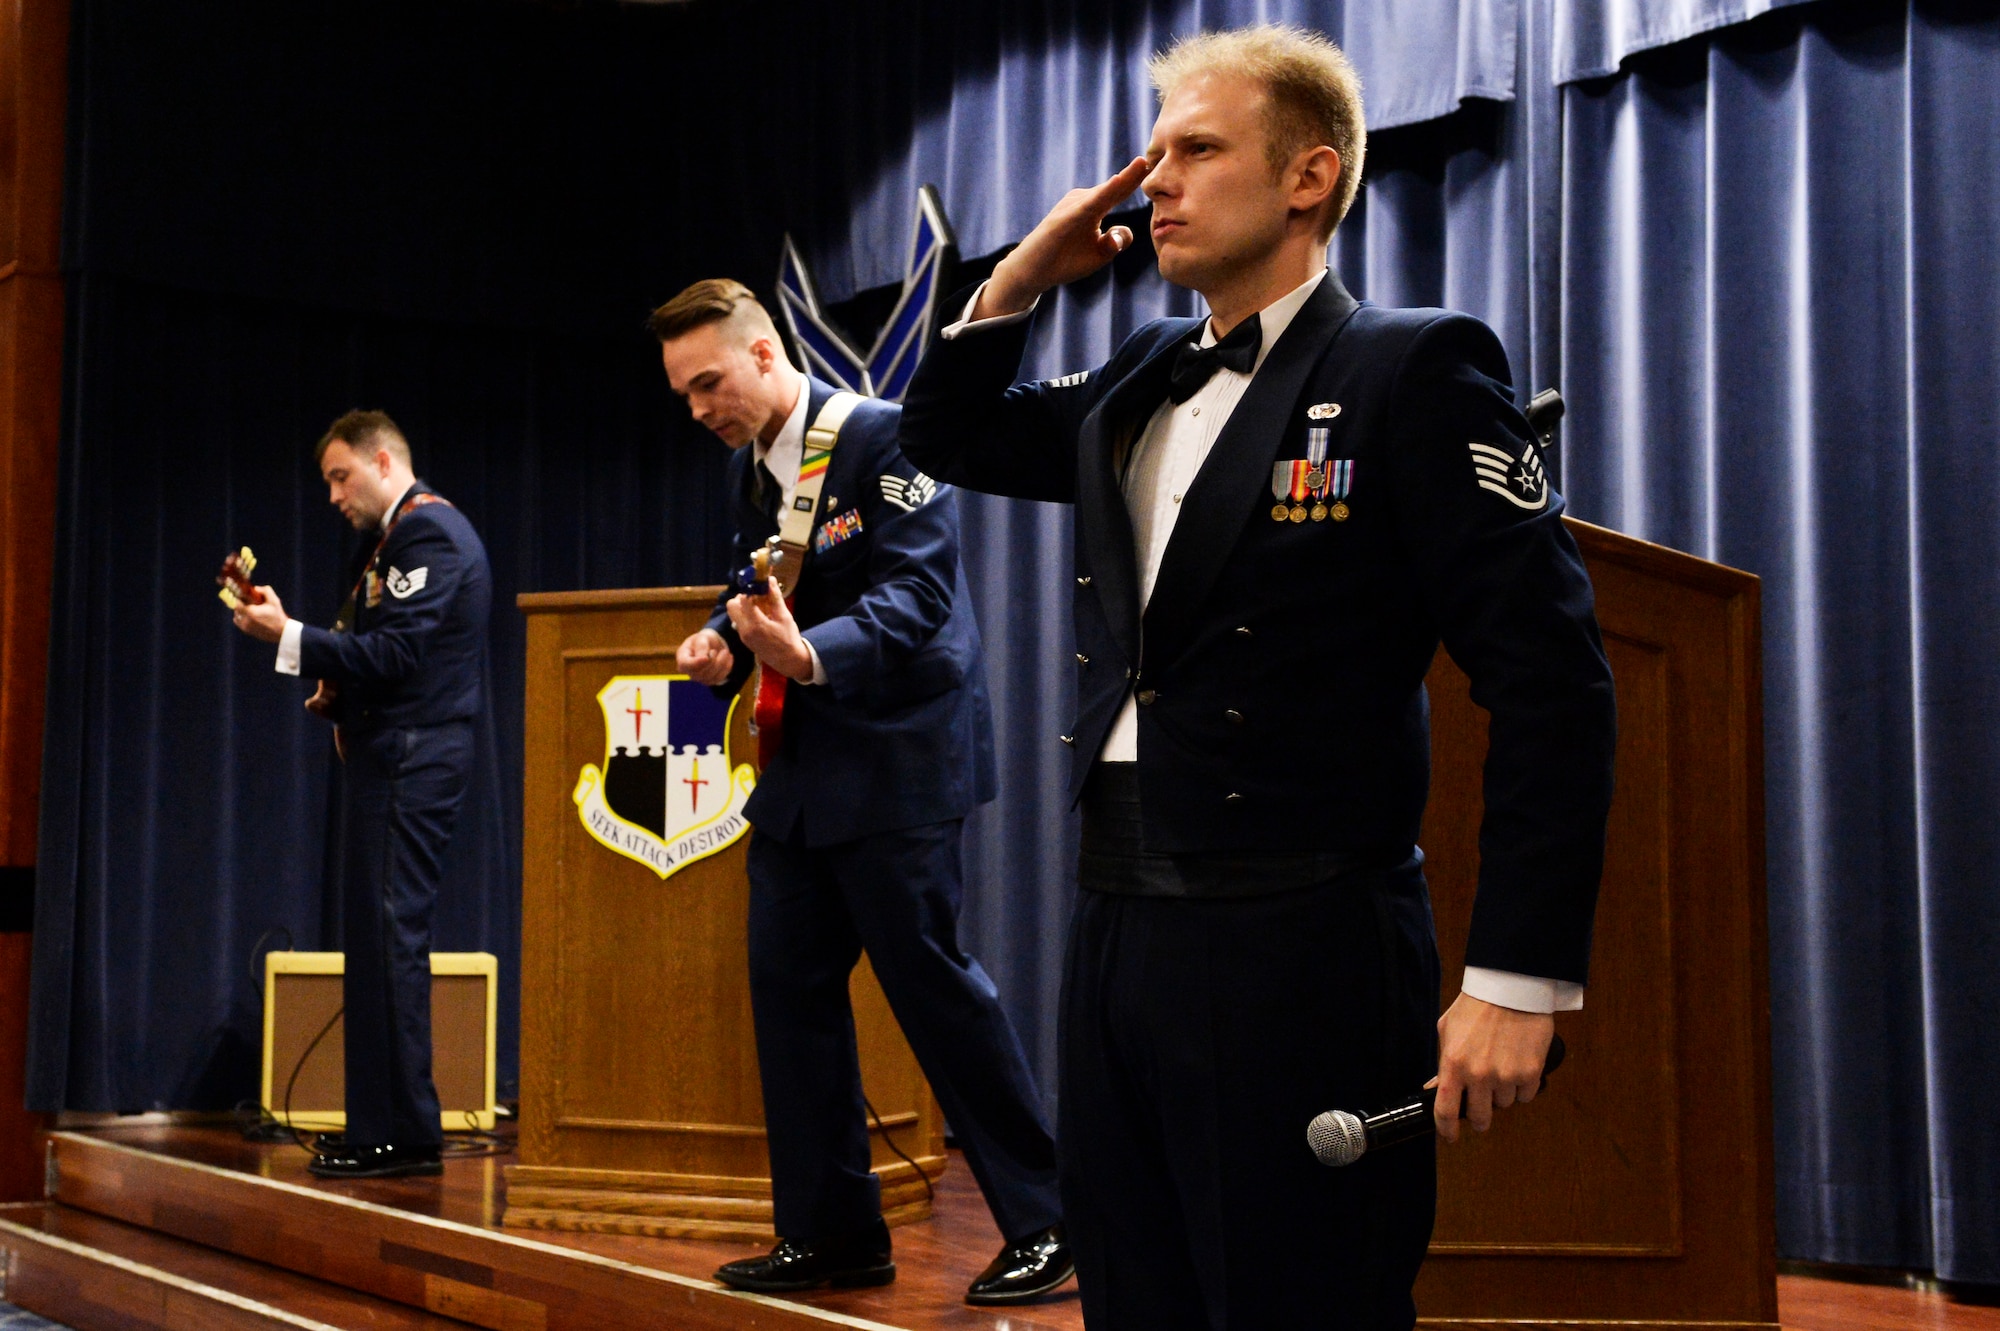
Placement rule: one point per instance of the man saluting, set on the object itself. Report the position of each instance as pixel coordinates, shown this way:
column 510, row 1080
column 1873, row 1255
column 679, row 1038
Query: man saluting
column 1281, row 510
column 402, row 677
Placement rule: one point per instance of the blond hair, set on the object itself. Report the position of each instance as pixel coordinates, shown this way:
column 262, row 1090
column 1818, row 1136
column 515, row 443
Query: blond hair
column 713, row 300
column 1314, row 90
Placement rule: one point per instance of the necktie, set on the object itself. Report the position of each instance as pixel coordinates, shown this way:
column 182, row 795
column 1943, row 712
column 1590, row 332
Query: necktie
column 1194, row 365
column 769, row 493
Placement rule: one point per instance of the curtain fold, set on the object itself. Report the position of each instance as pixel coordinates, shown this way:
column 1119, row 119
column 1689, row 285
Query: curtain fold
column 1594, row 37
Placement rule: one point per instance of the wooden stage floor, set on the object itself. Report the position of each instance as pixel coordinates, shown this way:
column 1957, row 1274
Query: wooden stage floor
column 191, row 1201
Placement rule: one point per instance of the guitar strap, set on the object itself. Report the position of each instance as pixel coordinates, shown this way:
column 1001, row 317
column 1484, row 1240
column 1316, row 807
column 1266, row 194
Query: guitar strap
column 795, row 526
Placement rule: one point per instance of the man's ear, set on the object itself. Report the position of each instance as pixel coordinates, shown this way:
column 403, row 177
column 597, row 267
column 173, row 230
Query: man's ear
column 1314, row 176
column 765, row 351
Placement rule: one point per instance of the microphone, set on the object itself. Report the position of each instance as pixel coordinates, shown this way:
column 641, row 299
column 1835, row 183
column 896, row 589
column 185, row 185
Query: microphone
column 1340, row 1138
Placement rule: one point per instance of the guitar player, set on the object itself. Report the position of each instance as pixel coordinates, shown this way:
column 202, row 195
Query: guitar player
column 886, row 741
column 402, row 678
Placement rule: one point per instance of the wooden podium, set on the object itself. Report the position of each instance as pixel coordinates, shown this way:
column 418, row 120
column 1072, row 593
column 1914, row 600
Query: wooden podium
column 1637, row 1191
column 641, row 1111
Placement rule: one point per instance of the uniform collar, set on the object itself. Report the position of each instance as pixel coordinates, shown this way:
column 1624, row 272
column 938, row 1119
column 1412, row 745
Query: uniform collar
column 781, row 456
column 389, row 513
column 1274, row 318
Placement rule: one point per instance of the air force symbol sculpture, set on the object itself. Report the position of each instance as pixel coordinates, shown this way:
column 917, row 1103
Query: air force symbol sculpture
column 884, row 371
column 668, row 793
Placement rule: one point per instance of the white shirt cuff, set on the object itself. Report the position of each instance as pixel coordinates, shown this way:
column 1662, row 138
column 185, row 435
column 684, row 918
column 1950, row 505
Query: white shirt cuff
column 288, row 647
column 1523, row 993
column 819, row 670
column 966, row 321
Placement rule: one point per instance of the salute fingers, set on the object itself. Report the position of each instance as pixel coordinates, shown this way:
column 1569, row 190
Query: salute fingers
column 1067, row 244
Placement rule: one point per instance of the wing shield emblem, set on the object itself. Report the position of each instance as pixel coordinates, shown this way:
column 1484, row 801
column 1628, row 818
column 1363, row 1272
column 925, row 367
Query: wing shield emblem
column 668, row 793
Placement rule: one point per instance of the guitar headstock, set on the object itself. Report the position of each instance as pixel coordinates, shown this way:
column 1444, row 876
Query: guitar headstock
column 234, row 580
column 765, row 567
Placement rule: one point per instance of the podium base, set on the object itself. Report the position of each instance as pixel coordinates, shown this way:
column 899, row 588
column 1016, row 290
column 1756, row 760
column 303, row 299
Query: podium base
column 681, row 1206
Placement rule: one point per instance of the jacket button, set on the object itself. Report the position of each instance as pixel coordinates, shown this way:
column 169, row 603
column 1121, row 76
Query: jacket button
column 1083, row 581
column 1231, row 797
column 1081, row 659
column 1243, row 631
column 1235, row 717
column 1146, row 697
column 1068, row 739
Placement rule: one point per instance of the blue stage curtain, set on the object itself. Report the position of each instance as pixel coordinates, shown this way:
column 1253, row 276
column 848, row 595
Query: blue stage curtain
column 1782, row 351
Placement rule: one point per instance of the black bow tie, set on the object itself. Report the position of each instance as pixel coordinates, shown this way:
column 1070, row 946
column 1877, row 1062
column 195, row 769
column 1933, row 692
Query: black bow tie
column 1193, row 365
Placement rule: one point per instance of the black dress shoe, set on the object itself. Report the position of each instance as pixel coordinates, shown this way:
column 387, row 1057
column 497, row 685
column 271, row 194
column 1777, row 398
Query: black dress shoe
column 793, row 1266
column 1025, row 1269
column 376, row 1162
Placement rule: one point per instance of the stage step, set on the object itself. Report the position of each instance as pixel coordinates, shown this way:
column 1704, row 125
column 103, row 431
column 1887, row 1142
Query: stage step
column 482, row 1276
column 95, row 1274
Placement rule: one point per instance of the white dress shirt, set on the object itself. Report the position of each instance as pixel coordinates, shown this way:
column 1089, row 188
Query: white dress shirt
column 1165, row 460
column 288, row 641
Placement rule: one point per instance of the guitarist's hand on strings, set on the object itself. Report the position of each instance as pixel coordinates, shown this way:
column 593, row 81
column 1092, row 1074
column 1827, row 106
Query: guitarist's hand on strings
column 767, row 628
column 264, row 621
column 705, row 658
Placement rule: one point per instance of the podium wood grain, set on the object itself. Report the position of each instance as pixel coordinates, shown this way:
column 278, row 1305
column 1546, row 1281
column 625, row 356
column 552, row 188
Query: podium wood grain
column 641, row 1109
column 1639, row 1186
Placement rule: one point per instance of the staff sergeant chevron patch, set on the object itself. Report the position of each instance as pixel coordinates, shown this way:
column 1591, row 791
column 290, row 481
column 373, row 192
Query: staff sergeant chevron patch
column 402, row 585
column 1520, row 481
column 909, row 495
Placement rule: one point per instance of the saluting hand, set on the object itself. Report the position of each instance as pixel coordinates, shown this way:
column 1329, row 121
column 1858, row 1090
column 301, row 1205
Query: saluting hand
column 1067, row 244
column 1492, row 1055
column 705, row 658
column 767, row 628
column 264, row 621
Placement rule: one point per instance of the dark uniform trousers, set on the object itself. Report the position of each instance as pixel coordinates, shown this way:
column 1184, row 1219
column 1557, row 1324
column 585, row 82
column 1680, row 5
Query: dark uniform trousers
column 896, row 894
column 1199, row 1036
column 402, row 788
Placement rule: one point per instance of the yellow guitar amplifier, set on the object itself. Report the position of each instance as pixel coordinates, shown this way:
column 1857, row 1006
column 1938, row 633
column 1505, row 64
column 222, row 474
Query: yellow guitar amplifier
column 302, row 995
